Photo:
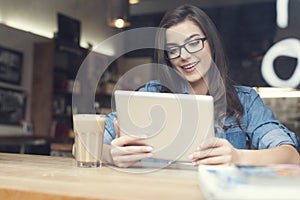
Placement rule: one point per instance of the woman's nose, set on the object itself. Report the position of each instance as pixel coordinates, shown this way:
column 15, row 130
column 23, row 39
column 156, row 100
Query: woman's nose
column 185, row 54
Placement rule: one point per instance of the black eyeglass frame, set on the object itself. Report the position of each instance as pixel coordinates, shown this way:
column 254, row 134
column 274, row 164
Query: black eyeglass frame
column 183, row 46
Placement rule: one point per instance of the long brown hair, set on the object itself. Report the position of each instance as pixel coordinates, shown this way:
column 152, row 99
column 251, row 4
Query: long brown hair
column 181, row 13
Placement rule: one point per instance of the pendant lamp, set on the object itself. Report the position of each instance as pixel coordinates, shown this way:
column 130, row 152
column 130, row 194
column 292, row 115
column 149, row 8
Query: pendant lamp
column 118, row 12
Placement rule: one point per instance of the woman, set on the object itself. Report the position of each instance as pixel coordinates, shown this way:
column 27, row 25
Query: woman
column 195, row 54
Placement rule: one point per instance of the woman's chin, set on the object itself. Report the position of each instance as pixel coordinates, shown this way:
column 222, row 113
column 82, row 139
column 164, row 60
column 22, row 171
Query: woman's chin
column 193, row 79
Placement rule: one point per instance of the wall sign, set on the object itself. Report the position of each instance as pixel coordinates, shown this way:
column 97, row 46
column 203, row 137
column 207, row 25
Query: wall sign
column 289, row 47
column 12, row 106
column 10, row 65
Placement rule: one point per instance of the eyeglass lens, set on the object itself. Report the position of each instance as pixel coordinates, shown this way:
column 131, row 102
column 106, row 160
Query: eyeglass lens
column 191, row 47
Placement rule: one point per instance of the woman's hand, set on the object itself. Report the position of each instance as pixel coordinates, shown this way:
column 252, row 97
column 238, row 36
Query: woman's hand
column 215, row 151
column 125, row 150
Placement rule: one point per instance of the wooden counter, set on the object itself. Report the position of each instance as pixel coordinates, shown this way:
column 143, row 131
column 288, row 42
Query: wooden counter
column 44, row 177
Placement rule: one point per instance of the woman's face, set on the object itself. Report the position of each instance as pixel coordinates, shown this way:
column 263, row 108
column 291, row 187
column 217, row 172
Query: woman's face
column 193, row 66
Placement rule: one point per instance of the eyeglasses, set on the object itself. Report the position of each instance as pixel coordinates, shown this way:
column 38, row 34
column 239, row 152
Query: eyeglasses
column 192, row 46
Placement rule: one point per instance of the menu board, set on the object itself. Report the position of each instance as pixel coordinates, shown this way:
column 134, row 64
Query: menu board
column 10, row 66
column 12, row 106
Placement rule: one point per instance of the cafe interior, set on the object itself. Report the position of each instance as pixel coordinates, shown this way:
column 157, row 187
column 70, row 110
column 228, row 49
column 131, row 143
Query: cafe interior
column 55, row 54
column 43, row 46
column 36, row 92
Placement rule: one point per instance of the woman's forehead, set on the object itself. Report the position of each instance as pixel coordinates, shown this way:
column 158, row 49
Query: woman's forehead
column 183, row 30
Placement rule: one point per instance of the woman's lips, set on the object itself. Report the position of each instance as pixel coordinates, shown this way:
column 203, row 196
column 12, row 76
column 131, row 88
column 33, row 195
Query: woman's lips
column 189, row 67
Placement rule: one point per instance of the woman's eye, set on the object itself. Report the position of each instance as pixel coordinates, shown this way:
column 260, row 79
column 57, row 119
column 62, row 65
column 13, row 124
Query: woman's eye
column 194, row 43
column 172, row 50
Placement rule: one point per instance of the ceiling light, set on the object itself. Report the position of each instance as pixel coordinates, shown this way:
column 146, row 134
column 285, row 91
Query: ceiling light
column 118, row 13
column 119, row 23
column 134, row 1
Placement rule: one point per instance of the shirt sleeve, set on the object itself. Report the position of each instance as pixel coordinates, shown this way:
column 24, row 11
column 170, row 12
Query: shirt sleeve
column 109, row 133
column 151, row 86
column 264, row 130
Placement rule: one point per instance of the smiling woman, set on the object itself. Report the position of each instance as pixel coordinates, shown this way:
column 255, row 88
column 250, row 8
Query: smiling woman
column 193, row 40
column 191, row 45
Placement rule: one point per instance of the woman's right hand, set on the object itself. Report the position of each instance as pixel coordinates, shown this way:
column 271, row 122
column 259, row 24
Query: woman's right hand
column 126, row 150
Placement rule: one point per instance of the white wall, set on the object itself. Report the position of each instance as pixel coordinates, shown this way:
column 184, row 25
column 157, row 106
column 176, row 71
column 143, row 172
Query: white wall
column 39, row 16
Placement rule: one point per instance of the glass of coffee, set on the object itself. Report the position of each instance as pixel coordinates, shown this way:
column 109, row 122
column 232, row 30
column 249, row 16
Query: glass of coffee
column 89, row 130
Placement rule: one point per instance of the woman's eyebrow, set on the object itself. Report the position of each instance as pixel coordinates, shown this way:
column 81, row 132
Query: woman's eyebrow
column 190, row 37
column 171, row 44
column 186, row 39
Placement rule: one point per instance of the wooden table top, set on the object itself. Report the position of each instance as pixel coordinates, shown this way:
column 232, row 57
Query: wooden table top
column 46, row 177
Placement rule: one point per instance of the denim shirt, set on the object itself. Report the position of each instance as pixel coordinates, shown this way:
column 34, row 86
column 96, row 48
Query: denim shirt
column 258, row 122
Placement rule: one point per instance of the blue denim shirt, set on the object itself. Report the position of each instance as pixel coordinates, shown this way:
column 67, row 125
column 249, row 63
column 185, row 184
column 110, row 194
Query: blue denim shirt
column 258, row 122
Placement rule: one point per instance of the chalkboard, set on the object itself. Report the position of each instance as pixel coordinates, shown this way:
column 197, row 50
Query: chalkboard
column 12, row 106
column 10, row 65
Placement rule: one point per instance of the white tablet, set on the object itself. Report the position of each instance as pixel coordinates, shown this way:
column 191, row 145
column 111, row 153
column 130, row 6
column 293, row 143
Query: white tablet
column 173, row 124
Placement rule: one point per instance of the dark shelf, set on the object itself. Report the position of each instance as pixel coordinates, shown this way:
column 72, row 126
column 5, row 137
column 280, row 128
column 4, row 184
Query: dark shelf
column 52, row 104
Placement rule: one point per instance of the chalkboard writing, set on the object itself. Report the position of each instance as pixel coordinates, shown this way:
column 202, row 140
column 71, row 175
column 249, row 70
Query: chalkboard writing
column 10, row 65
column 12, row 107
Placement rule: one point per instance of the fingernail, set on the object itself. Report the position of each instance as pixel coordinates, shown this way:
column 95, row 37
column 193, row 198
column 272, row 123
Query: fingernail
column 143, row 136
column 194, row 163
column 191, row 156
column 149, row 155
column 149, row 148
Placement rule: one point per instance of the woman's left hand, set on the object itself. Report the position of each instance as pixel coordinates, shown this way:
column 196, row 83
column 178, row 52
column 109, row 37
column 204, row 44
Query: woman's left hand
column 215, row 151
